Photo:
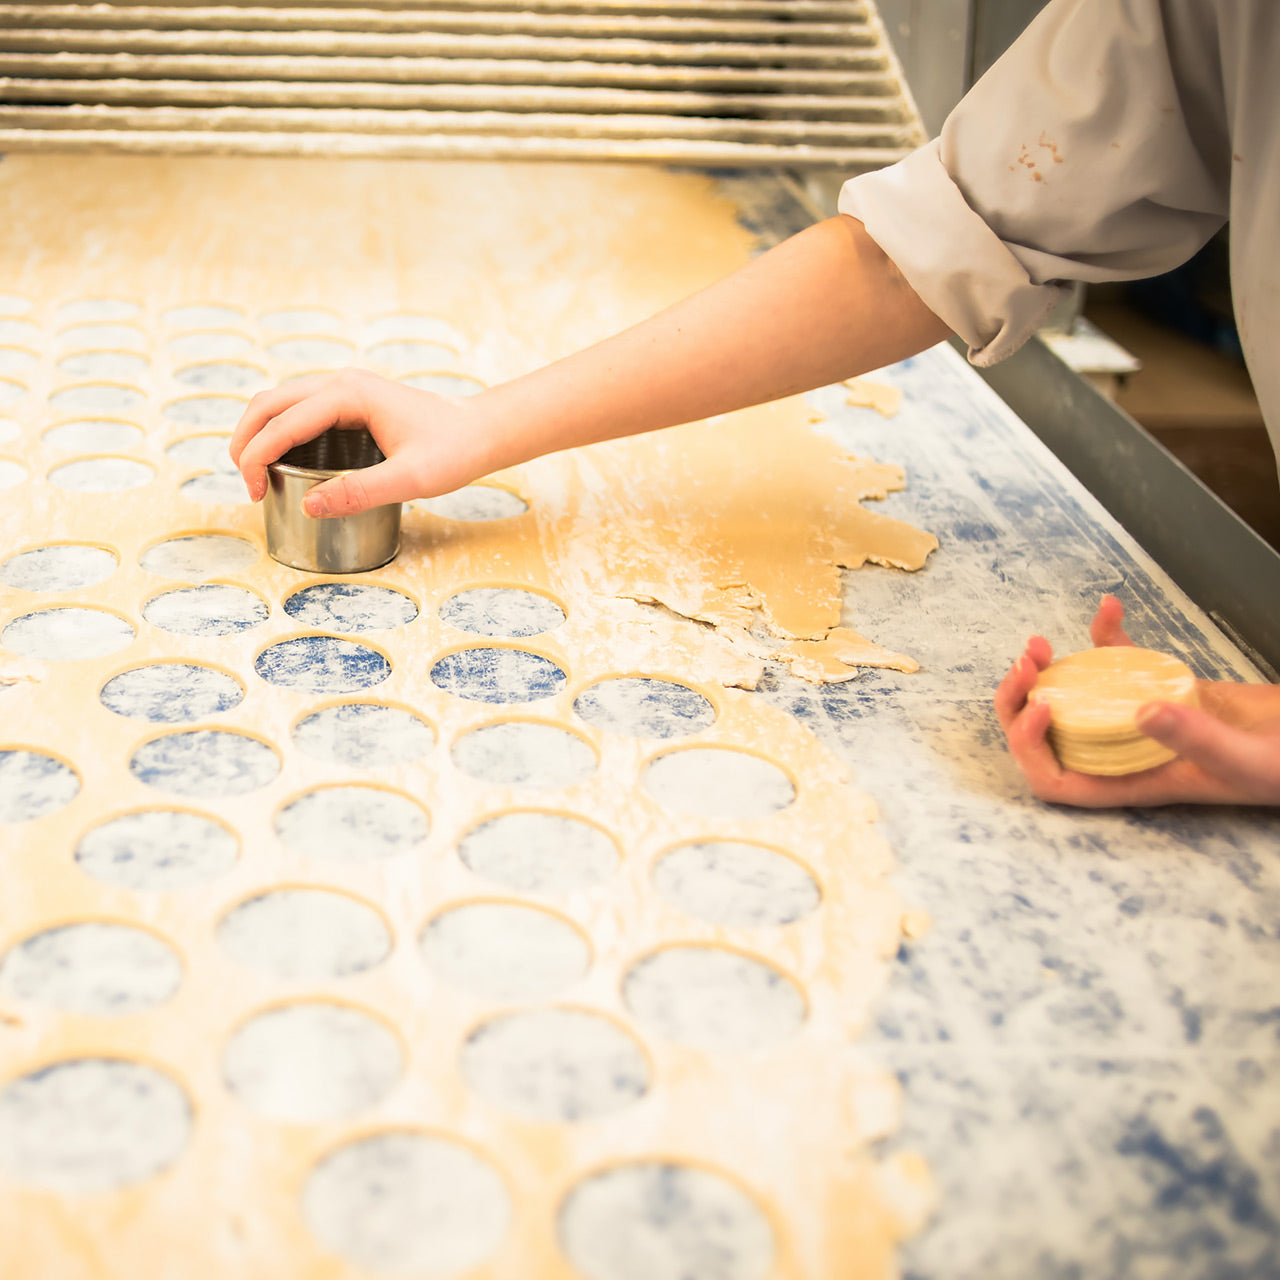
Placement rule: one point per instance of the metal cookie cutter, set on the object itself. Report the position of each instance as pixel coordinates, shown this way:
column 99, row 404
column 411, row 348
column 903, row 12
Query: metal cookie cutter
column 339, row 544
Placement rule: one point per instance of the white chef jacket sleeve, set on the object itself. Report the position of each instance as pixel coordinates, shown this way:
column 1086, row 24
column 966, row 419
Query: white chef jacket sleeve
column 1096, row 148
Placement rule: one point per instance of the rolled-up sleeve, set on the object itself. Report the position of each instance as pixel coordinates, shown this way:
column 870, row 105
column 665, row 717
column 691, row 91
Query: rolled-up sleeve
column 1096, row 149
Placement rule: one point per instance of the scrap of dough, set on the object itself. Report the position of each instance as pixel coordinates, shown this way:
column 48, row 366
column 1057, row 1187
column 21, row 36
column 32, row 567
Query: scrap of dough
column 743, row 523
column 832, row 659
column 880, row 396
column 836, row 656
column 908, row 1187
column 915, row 924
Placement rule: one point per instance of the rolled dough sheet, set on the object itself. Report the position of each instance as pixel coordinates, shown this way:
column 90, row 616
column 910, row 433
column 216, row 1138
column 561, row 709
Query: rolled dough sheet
column 342, row 773
column 746, row 525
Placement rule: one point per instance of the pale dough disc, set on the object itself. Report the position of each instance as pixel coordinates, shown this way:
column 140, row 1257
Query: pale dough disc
column 1095, row 693
column 1093, row 697
column 1111, row 760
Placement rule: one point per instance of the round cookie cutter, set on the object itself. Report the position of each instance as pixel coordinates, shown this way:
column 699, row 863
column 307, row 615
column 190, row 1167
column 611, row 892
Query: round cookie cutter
column 338, row 544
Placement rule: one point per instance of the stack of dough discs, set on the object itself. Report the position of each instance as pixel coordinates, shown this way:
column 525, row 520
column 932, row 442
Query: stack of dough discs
column 1093, row 697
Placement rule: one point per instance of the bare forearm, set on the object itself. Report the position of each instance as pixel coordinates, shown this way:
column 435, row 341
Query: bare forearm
column 825, row 305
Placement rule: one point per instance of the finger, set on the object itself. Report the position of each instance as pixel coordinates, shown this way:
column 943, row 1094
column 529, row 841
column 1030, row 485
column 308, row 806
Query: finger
column 1027, row 734
column 265, row 406
column 295, row 425
column 1246, row 706
column 1040, row 651
column 1107, row 627
column 1011, row 692
column 1049, row 781
column 1178, row 782
column 356, row 491
column 1248, row 763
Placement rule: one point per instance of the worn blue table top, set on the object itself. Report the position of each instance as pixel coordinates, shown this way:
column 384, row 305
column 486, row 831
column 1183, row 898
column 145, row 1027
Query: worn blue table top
column 1088, row 1037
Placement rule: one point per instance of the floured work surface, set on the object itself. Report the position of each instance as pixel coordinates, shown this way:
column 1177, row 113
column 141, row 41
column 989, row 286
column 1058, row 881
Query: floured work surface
column 455, row 918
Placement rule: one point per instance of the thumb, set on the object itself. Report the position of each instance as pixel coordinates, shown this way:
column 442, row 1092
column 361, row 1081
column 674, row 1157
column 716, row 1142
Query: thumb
column 1219, row 749
column 357, row 491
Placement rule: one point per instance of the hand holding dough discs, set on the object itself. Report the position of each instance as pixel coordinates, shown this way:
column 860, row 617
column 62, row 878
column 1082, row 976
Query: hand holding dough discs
column 1093, row 697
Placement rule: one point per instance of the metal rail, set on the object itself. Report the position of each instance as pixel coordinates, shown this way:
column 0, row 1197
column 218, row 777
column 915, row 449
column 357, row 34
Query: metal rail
column 852, row 24
column 886, row 111
column 786, row 10
column 803, row 83
column 1217, row 559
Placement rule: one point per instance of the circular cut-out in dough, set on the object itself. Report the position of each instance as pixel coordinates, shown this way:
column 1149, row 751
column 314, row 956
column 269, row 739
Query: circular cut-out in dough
column 11, row 392
column 717, row 782
column 67, row 634
column 9, row 430
column 22, row 332
column 315, row 353
column 14, row 304
column 157, row 850
column 97, row 398
column 86, row 1125
column 198, row 556
column 209, row 610
column 350, row 607
column 474, row 503
column 209, row 452
column 352, row 823
column 219, row 488
column 538, row 852
column 65, row 566
column 101, row 475
column 736, row 883
column 202, row 315
column 364, row 735
column 33, row 784
column 494, row 675
column 99, row 968
column 657, row 1220
column 85, row 310
column 305, row 935
column 201, row 346
column 115, row 366
column 445, row 384
column 312, row 1061
column 222, row 375
column 102, row 337
column 208, row 763
column 16, row 359
column 322, row 664
column 206, row 411
column 405, row 1203
column 171, row 692
column 644, row 707
column 555, row 1065
column 502, row 611
column 411, row 353
column 11, row 473
column 711, row 998
column 408, row 324
column 300, row 320
column 93, row 435
column 521, row 753
column 504, row 950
